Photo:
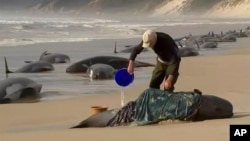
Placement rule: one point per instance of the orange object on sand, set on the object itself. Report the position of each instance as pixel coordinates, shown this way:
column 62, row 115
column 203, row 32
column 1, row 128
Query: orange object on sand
column 98, row 109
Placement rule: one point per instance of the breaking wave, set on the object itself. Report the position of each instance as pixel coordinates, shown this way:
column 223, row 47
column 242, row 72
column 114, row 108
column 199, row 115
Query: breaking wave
column 221, row 8
column 14, row 32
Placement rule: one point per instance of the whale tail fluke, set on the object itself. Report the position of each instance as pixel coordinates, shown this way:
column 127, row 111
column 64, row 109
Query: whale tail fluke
column 6, row 67
column 180, row 44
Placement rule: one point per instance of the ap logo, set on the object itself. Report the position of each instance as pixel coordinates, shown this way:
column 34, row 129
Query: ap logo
column 239, row 132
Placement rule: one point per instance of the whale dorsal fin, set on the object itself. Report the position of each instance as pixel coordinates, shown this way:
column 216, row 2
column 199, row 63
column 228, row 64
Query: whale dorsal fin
column 6, row 67
column 44, row 53
column 115, row 51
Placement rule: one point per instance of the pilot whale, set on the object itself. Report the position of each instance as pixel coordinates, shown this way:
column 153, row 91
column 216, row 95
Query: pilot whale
column 114, row 61
column 211, row 107
column 54, row 58
column 32, row 67
column 14, row 89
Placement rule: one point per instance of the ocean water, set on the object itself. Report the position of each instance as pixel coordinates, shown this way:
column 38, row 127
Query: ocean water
column 25, row 38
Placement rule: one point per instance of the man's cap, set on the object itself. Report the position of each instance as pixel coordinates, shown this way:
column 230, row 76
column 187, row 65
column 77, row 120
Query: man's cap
column 149, row 37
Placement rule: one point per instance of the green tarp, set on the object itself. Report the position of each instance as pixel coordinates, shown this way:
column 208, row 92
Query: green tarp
column 154, row 105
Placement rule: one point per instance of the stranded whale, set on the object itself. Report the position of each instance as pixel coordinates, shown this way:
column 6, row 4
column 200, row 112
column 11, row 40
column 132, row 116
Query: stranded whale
column 54, row 58
column 206, row 107
column 32, row 67
column 14, row 89
column 116, row 62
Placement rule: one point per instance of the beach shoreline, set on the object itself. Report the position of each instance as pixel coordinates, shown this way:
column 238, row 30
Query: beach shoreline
column 225, row 76
column 51, row 120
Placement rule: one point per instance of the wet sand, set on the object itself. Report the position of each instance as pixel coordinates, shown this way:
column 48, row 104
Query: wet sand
column 225, row 76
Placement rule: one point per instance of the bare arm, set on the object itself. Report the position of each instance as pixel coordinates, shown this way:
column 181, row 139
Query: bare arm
column 131, row 67
column 170, row 78
column 137, row 50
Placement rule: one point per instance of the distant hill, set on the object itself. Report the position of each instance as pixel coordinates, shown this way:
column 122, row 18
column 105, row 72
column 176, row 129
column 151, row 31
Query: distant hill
column 223, row 8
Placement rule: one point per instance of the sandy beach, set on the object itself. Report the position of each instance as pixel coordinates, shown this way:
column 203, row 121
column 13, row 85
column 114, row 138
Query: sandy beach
column 225, row 76
column 89, row 28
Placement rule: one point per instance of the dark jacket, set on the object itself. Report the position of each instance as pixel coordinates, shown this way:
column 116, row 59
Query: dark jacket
column 165, row 48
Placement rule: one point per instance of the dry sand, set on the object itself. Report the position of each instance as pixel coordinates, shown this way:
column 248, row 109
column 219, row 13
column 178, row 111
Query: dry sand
column 225, row 76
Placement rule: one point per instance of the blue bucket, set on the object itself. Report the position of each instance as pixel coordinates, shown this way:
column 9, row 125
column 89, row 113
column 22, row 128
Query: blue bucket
column 123, row 78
